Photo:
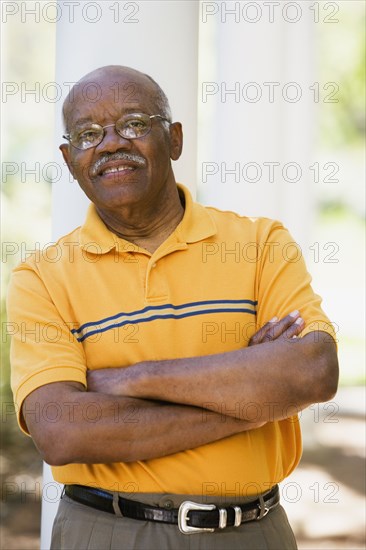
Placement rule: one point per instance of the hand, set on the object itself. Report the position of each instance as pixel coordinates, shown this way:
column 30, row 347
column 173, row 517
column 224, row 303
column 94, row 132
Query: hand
column 288, row 327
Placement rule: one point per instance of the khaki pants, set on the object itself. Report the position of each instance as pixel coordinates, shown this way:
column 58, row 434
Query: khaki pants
column 79, row 527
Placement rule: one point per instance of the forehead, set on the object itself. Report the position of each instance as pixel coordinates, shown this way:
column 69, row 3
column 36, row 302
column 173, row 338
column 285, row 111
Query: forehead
column 107, row 97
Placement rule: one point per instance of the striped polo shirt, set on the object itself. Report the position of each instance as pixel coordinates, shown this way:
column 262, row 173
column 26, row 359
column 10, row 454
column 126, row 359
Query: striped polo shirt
column 94, row 300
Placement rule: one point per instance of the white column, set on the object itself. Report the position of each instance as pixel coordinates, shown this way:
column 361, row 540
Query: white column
column 252, row 116
column 156, row 37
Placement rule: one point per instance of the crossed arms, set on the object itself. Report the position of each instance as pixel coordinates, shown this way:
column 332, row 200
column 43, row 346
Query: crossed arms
column 153, row 409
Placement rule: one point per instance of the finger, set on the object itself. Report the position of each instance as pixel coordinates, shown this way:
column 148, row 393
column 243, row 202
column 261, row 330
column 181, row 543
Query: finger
column 258, row 336
column 295, row 329
column 282, row 326
column 289, row 326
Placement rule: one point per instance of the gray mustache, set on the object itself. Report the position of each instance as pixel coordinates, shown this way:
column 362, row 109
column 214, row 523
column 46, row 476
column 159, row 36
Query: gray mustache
column 116, row 156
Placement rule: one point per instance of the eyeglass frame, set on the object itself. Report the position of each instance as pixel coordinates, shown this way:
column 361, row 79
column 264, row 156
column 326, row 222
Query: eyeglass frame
column 68, row 136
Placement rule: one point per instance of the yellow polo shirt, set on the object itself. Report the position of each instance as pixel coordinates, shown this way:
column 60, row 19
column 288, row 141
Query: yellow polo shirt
column 94, row 300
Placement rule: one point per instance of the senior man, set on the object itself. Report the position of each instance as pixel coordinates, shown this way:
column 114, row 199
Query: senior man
column 162, row 377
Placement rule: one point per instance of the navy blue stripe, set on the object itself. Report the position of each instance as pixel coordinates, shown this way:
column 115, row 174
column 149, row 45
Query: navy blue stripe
column 167, row 316
column 152, row 308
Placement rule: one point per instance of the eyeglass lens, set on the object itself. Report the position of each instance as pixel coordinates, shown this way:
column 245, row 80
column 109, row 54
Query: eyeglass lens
column 130, row 126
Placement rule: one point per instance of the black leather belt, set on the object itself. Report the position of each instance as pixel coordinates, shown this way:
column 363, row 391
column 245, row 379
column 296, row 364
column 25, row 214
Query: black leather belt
column 191, row 517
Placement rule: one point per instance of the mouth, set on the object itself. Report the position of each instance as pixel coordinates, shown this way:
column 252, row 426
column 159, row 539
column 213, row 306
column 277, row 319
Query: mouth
column 116, row 165
column 115, row 169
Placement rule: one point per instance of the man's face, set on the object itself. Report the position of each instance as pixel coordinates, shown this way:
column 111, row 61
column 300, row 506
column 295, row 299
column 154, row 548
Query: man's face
column 144, row 167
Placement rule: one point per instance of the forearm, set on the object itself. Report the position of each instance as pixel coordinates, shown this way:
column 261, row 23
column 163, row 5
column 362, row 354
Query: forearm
column 97, row 428
column 279, row 378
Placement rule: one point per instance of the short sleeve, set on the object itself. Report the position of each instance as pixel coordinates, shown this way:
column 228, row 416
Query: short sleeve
column 43, row 349
column 284, row 284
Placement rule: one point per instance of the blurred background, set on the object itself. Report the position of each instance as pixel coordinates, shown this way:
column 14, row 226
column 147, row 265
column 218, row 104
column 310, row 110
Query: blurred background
column 325, row 496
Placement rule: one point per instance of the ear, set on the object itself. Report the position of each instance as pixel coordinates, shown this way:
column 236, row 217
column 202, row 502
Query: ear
column 65, row 150
column 176, row 140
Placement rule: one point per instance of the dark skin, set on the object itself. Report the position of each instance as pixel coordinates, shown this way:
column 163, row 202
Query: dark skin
column 129, row 428
column 228, row 381
column 142, row 205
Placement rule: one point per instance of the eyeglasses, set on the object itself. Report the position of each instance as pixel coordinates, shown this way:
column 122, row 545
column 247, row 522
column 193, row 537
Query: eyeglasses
column 130, row 126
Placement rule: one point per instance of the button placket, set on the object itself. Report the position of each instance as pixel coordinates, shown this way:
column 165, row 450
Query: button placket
column 156, row 286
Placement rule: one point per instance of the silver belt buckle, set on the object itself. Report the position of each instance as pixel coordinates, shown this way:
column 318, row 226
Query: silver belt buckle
column 186, row 507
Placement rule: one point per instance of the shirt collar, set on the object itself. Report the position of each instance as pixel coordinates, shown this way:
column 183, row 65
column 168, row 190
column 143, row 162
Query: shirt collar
column 95, row 235
column 196, row 225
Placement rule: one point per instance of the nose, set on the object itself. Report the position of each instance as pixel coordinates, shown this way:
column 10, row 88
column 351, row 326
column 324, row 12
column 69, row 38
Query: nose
column 112, row 140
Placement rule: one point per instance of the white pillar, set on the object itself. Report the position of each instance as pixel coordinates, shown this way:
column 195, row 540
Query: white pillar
column 250, row 114
column 156, row 37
